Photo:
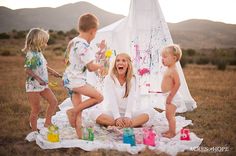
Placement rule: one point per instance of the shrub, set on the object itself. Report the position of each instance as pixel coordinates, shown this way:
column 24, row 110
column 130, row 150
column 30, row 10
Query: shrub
column 190, row 52
column 52, row 40
column 221, row 65
column 202, row 60
column 6, row 53
column 60, row 33
column 232, row 62
column 183, row 62
column 4, row 36
column 20, row 34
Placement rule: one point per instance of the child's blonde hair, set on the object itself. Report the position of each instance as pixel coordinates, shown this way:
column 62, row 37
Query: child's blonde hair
column 87, row 22
column 173, row 49
column 36, row 39
column 128, row 75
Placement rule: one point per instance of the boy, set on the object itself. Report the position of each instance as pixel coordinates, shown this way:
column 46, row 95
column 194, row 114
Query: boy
column 170, row 85
column 75, row 78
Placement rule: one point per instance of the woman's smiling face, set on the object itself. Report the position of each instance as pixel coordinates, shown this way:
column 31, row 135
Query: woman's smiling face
column 121, row 64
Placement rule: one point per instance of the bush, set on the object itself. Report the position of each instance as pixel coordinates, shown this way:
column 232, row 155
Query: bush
column 202, row 60
column 52, row 40
column 232, row 62
column 183, row 62
column 4, row 36
column 190, row 52
column 20, row 34
column 6, row 53
column 72, row 32
column 60, row 33
column 221, row 65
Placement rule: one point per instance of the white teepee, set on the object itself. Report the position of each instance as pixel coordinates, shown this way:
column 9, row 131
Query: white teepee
column 142, row 34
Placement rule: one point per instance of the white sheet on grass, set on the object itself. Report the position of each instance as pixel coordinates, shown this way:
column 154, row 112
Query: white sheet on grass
column 107, row 140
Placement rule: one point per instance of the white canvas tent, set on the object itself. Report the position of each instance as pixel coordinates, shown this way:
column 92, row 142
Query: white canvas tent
column 143, row 34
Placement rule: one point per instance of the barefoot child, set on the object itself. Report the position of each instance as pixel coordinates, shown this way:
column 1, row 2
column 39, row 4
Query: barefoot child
column 37, row 76
column 74, row 78
column 170, row 85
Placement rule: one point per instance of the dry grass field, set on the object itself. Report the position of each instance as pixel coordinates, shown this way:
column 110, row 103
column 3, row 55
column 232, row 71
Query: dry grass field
column 214, row 119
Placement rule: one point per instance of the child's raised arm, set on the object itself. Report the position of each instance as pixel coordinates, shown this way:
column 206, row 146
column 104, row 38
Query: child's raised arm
column 53, row 72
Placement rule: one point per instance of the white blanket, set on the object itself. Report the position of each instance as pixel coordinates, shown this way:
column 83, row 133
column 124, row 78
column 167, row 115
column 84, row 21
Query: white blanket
column 105, row 139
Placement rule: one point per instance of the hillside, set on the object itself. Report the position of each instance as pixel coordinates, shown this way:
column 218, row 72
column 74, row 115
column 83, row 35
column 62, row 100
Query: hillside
column 195, row 34
column 203, row 34
column 60, row 18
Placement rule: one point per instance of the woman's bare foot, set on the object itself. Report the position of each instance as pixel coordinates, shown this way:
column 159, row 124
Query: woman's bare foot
column 71, row 117
column 169, row 134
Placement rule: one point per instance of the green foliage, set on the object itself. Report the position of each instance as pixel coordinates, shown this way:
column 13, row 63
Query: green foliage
column 52, row 40
column 183, row 62
column 5, row 53
column 60, row 33
column 202, row 60
column 4, row 36
column 221, row 65
column 189, row 52
column 72, row 32
column 20, row 34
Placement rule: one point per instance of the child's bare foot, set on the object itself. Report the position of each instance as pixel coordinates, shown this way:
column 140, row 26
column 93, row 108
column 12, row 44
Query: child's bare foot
column 71, row 117
column 169, row 135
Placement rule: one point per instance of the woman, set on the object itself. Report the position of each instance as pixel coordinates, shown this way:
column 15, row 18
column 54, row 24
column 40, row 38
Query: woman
column 120, row 104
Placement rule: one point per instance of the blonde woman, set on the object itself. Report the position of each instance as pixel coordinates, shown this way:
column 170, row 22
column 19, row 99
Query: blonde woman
column 37, row 77
column 120, row 93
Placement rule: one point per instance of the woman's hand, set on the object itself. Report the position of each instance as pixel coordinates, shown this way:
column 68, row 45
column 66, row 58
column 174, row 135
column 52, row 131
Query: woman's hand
column 127, row 121
column 119, row 122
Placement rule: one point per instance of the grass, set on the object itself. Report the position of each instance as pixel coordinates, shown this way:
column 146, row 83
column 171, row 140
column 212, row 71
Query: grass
column 214, row 91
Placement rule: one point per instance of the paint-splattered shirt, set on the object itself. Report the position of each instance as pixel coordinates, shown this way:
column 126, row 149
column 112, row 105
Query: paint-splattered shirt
column 36, row 62
column 80, row 54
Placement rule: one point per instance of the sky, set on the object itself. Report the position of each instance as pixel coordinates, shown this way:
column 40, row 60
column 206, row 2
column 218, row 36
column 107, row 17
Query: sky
column 173, row 10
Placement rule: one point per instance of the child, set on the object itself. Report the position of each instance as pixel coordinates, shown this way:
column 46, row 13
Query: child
column 74, row 78
column 37, row 76
column 170, row 85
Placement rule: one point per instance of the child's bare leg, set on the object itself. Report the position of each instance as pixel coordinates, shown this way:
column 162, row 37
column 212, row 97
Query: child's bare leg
column 78, row 125
column 76, row 100
column 34, row 100
column 87, row 90
column 48, row 95
column 139, row 120
column 170, row 115
column 105, row 120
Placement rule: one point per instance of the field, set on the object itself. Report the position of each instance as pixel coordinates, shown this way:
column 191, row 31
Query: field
column 214, row 91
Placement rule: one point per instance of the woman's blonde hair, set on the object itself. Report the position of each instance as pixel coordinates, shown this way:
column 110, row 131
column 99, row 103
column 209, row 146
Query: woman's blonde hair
column 36, row 40
column 128, row 74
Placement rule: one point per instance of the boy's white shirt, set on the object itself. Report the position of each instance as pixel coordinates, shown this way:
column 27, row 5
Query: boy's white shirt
column 80, row 55
column 113, row 98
